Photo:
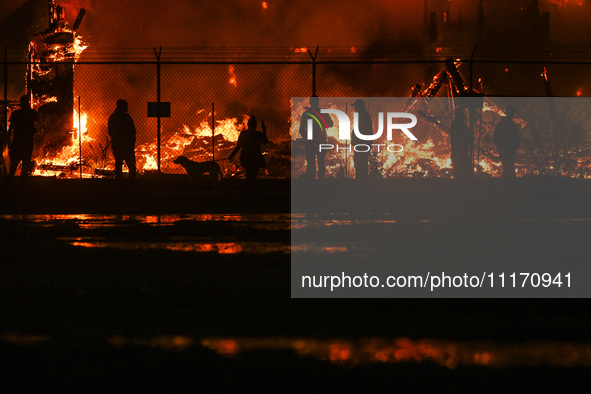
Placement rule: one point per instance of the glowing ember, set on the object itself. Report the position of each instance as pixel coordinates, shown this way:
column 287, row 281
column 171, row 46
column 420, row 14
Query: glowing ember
column 232, row 81
column 265, row 5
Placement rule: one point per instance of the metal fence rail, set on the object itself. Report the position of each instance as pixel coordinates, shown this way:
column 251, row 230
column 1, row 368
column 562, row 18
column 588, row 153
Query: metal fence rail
column 242, row 88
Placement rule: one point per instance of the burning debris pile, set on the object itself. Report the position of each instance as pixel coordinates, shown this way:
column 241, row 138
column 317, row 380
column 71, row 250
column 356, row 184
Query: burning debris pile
column 196, row 144
column 50, row 82
column 193, row 143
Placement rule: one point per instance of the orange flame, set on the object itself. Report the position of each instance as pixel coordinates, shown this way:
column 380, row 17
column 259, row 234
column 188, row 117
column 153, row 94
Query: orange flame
column 69, row 155
column 232, row 80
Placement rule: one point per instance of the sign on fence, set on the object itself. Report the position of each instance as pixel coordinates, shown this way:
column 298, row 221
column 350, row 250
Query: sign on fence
column 161, row 109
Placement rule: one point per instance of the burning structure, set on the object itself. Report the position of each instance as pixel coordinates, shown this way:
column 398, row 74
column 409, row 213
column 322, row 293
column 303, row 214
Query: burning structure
column 50, row 79
column 261, row 89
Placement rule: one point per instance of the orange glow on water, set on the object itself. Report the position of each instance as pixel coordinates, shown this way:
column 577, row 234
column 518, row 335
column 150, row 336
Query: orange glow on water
column 225, row 347
column 175, row 343
column 23, row 339
column 352, row 352
column 339, row 352
column 180, row 246
column 448, row 354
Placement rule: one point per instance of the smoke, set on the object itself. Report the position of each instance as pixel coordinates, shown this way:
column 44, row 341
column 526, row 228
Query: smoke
column 240, row 23
column 284, row 23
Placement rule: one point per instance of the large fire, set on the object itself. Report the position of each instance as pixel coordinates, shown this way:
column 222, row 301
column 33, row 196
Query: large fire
column 64, row 147
column 52, row 54
column 67, row 161
column 97, row 160
column 195, row 143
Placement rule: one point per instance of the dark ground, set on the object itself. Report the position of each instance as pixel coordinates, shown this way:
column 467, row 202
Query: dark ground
column 80, row 297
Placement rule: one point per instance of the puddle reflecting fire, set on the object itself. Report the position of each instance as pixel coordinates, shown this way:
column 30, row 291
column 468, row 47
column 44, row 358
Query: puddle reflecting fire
column 450, row 354
column 185, row 245
column 352, row 352
column 166, row 342
column 23, row 339
column 267, row 221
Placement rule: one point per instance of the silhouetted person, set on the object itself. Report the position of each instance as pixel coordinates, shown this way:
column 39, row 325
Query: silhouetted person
column 22, row 127
column 361, row 159
column 506, row 138
column 461, row 144
column 319, row 131
column 251, row 158
column 122, row 132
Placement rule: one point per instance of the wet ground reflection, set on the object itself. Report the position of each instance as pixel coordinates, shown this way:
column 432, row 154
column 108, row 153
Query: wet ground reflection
column 22, row 339
column 268, row 221
column 224, row 234
column 184, row 245
column 351, row 352
column 326, row 220
column 311, row 247
column 450, row 354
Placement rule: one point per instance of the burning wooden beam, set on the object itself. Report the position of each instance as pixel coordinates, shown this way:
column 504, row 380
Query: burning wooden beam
column 78, row 20
column 452, row 69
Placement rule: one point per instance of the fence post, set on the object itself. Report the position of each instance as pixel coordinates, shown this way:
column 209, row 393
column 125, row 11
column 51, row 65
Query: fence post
column 5, row 114
column 79, row 139
column 472, row 109
column 314, row 70
column 212, row 131
column 158, row 132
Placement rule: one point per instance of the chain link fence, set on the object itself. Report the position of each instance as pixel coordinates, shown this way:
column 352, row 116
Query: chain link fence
column 225, row 94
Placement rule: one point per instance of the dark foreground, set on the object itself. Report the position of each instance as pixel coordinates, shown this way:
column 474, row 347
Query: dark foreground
column 145, row 296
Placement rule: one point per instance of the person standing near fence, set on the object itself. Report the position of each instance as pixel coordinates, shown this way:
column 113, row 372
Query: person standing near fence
column 461, row 144
column 320, row 122
column 506, row 138
column 360, row 158
column 251, row 158
column 23, row 129
column 122, row 132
